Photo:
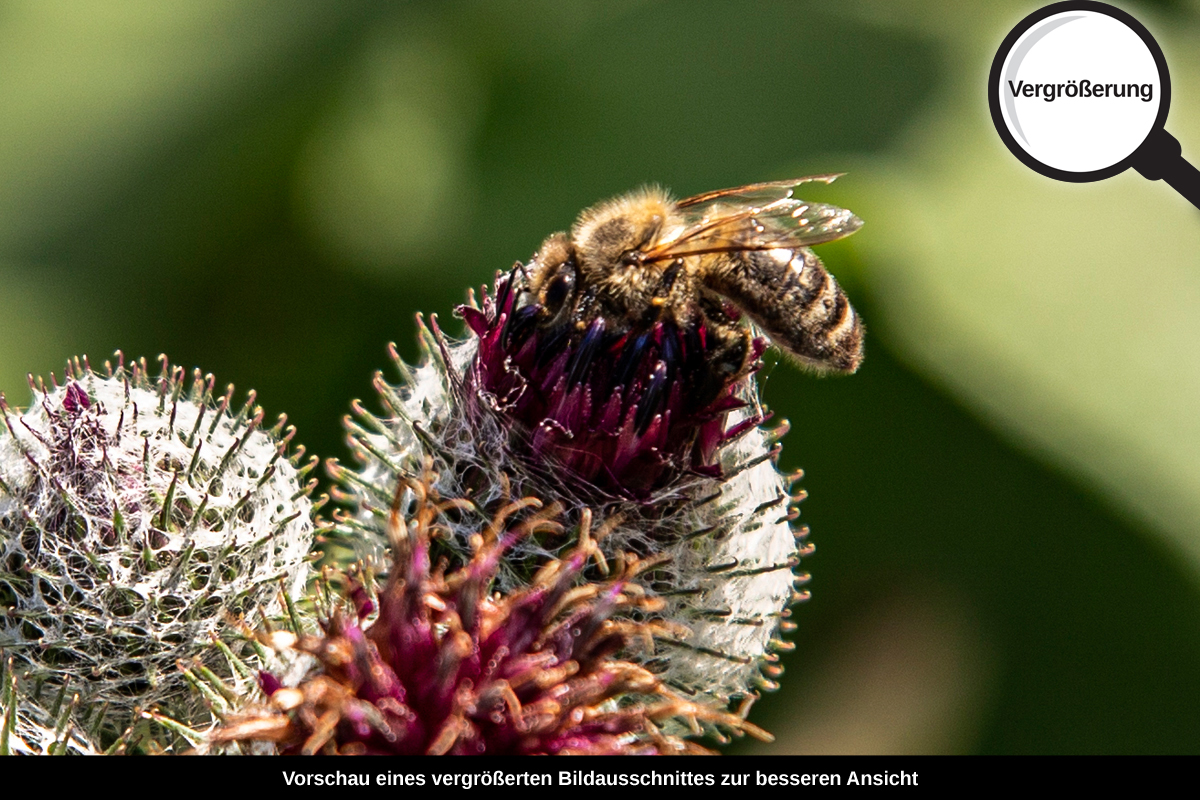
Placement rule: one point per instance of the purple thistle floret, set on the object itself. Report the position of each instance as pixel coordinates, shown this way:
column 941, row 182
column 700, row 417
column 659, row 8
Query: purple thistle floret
column 448, row 667
column 626, row 411
column 649, row 424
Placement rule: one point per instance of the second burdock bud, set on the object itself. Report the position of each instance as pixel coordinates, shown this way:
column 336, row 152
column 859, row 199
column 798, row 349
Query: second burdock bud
column 138, row 516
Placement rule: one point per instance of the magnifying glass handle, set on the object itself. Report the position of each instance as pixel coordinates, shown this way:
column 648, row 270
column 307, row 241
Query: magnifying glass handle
column 1161, row 158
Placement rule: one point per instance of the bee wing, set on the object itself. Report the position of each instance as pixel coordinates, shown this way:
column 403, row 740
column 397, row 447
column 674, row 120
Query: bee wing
column 762, row 216
column 756, row 194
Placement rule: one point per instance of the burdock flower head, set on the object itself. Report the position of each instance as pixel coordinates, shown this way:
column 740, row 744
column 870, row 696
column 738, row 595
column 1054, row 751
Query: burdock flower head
column 447, row 666
column 138, row 514
column 616, row 372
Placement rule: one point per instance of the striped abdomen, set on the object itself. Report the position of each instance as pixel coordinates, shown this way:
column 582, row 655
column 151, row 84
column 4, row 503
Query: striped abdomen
column 791, row 296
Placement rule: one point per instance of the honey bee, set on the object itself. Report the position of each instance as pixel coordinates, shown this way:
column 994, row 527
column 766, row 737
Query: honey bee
column 702, row 263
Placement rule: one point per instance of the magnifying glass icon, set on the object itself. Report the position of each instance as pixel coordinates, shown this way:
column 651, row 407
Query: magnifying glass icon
column 1079, row 92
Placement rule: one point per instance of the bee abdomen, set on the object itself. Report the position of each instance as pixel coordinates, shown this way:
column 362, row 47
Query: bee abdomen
column 794, row 299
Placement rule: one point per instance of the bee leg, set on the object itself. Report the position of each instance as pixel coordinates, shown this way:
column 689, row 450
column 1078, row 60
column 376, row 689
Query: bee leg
column 729, row 356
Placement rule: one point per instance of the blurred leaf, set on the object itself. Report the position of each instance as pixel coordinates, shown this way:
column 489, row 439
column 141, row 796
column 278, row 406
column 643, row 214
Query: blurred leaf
column 1067, row 314
column 91, row 91
column 909, row 674
column 385, row 176
column 39, row 327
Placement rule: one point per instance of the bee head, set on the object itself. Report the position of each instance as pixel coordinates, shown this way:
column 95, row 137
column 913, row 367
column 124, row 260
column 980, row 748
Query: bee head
column 553, row 274
column 610, row 237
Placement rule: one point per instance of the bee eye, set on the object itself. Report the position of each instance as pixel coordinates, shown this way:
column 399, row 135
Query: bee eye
column 558, row 290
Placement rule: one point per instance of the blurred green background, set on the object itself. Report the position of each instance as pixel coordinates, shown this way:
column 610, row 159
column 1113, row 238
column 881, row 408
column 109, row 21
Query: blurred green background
column 1005, row 500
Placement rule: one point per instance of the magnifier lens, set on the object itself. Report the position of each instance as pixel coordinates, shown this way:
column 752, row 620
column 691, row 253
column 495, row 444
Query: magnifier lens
column 1080, row 91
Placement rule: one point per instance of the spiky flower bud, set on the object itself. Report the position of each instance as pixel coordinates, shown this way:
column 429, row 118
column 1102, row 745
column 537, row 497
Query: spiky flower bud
column 137, row 514
column 448, row 667
column 632, row 426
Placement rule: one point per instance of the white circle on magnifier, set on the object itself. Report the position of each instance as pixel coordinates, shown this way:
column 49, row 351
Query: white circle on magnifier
column 1080, row 91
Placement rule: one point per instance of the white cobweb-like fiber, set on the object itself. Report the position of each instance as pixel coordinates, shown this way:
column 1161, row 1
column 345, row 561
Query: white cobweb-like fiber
column 29, row 728
column 732, row 551
column 137, row 517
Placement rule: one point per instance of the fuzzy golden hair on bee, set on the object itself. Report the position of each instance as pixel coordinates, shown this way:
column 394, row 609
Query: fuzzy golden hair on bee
column 631, row 222
column 709, row 260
